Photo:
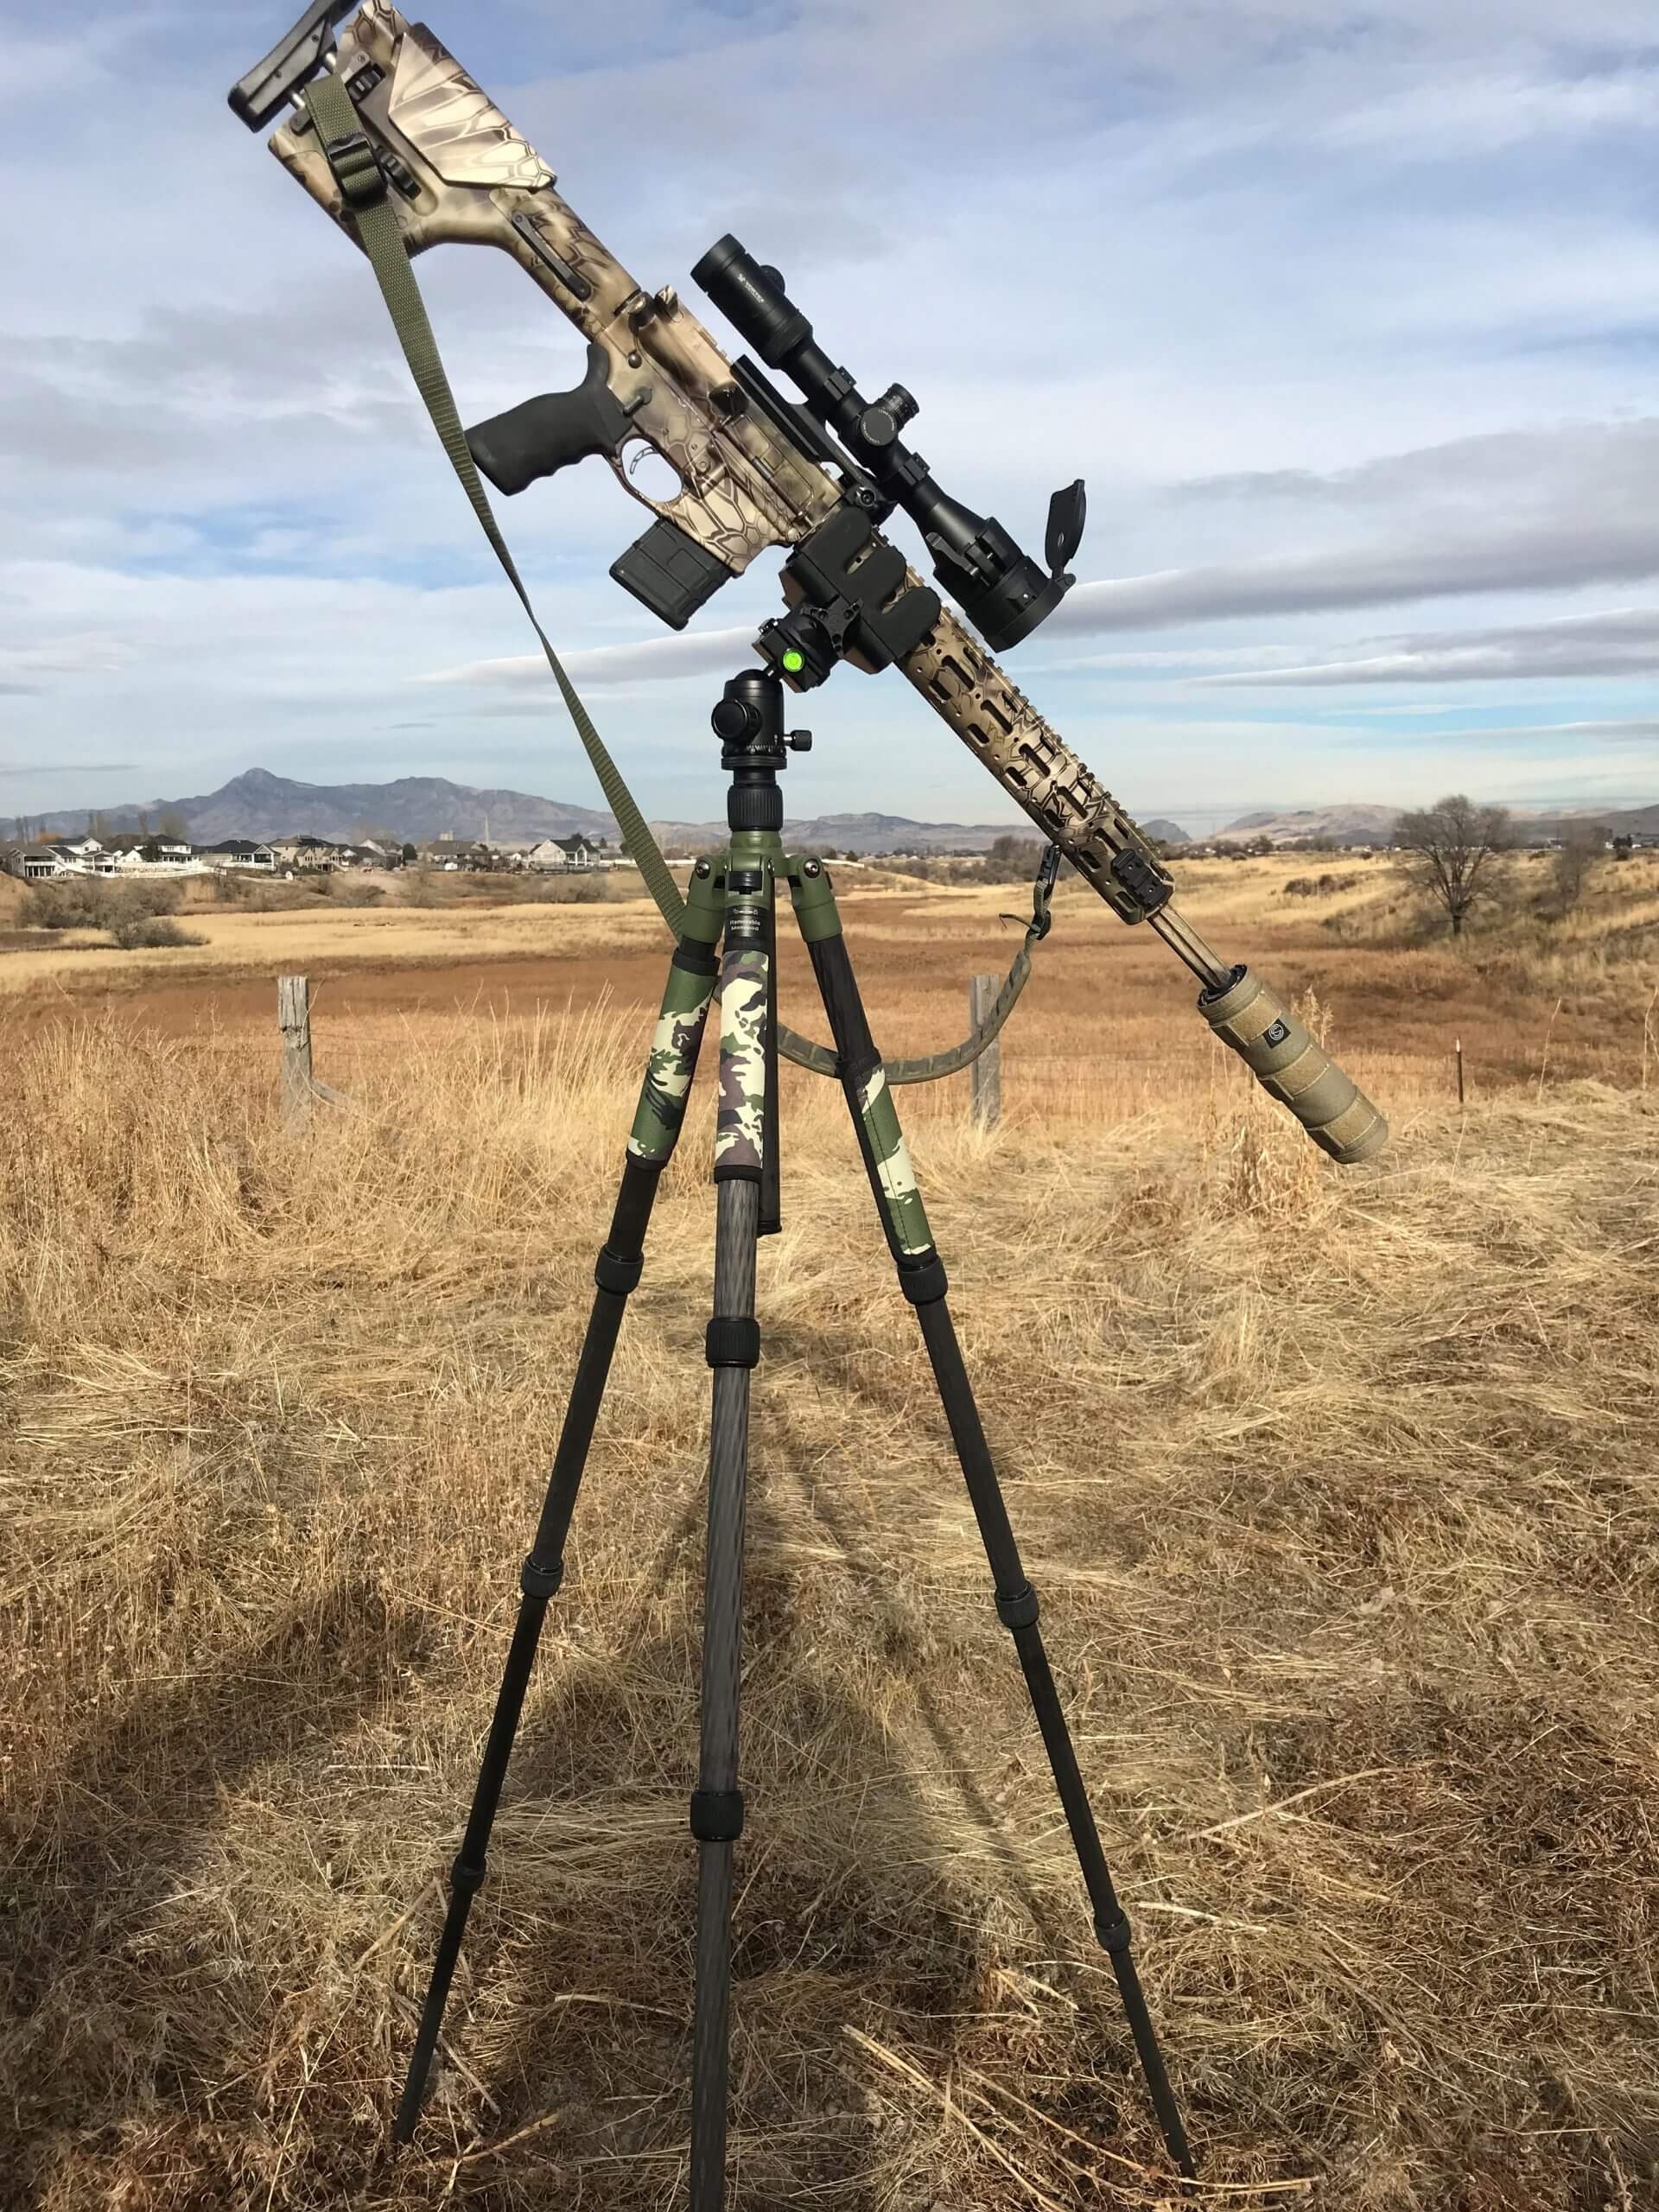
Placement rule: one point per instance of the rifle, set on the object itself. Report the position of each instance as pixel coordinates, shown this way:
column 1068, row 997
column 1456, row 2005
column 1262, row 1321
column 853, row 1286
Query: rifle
column 395, row 140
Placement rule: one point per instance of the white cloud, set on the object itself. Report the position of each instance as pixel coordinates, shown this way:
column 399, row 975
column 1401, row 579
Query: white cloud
column 690, row 653
column 1623, row 642
column 1334, row 309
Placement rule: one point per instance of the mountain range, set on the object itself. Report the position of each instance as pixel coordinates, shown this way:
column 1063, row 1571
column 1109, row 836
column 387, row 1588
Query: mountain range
column 1342, row 825
column 258, row 804
column 415, row 808
column 1368, row 825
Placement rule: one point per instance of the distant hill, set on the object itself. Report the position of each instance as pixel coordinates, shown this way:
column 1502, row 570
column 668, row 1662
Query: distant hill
column 259, row 805
column 413, row 807
column 888, row 833
column 1370, row 825
column 1338, row 826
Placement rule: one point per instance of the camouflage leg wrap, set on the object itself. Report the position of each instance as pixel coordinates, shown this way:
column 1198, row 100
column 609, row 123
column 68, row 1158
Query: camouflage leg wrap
column 740, row 1122
column 678, row 1035
column 674, row 1048
column 863, row 1079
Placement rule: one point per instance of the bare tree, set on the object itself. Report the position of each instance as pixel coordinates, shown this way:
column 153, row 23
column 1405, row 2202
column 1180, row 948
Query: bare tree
column 1011, row 859
column 1451, row 851
column 171, row 824
column 1582, row 845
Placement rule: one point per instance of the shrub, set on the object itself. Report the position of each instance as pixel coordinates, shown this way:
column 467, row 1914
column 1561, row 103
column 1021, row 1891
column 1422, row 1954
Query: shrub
column 347, row 889
column 131, row 901
column 145, row 932
column 69, row 902
column 561, row 890
column 1317, row 887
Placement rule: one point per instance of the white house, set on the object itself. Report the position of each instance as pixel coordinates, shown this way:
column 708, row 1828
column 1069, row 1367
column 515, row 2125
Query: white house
column 35, row 863
column 579, row 851
column 63, row 856
column 135, row 853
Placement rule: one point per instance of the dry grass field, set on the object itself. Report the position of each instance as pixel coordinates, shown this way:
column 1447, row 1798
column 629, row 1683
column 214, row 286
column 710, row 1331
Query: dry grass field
column 1337, row 1488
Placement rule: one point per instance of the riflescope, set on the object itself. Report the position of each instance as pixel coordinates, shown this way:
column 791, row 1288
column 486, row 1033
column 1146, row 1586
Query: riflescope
column 1000, row 588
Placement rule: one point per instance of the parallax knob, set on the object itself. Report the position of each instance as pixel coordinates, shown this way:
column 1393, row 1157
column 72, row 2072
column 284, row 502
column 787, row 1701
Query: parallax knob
column 882, row 422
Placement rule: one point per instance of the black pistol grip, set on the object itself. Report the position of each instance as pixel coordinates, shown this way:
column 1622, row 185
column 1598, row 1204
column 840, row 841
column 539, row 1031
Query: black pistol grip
column 550, row 433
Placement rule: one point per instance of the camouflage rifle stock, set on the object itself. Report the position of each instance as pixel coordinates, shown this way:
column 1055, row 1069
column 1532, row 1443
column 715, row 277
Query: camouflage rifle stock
column 453, row 169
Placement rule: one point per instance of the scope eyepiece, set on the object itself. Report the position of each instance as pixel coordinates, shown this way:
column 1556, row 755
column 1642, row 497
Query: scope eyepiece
column 753, row 299
column 1002, row 591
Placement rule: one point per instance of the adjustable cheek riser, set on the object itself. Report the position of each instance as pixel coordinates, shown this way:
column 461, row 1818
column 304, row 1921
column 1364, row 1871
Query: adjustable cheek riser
column 1290, row 1067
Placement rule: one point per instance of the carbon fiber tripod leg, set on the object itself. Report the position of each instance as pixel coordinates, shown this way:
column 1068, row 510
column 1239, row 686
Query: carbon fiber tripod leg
column 655, row 1129
column 732, row 1346
column 717, row 1803
column 922, row 1278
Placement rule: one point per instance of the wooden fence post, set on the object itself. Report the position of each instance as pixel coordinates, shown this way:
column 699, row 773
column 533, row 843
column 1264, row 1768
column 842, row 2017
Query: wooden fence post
column 985, row 1074
column 294, row 1016
column 1457, row 1046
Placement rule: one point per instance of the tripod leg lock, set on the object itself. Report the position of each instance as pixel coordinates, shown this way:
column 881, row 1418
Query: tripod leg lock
column 733, row 1340
column 618, row 1275
column 466, row 1879
column 538, row 1581
column 926, row 1285
column 1113, row 1936
column 1020, row 1610
column 716, row 1815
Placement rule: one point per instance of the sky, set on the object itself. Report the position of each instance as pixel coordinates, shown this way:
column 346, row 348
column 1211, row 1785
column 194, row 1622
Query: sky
column 1349, row 317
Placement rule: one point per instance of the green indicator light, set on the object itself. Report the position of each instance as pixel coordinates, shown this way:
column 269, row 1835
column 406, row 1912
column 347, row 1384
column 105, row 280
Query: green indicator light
column 794, row 662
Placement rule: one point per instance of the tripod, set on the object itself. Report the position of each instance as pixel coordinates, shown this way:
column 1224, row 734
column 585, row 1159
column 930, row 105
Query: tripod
column 735, row 896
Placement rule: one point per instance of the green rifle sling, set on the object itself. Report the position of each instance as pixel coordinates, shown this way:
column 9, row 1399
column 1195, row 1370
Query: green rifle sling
column 334, row 117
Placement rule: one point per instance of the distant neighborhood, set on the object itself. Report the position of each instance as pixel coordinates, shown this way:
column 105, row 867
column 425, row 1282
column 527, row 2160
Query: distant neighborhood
column 138, row 854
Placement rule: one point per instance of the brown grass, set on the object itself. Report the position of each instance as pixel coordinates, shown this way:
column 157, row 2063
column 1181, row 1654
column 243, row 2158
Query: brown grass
column 1338, row 1490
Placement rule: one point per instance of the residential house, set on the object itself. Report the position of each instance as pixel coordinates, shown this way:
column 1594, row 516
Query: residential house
column 239, row 852
column 305, row 852
column 35, row 863
column 580, row 851
column 458, row 853
column 59, row 856
column 135, row 853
